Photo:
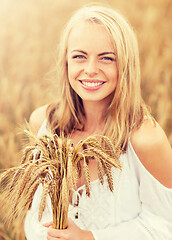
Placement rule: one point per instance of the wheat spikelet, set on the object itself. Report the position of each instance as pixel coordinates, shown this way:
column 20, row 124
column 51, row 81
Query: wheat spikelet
column 92, row 142
column 55, row 141
column 100, row 170
column 52, row 190
column 60, row 157
column 79, row 169
column 16, row 176
column 30, row 157
column 34, row 179
column 26, row 151
column 37, row 154
column 87, row 177
column 64, row 150
column 31, row 183
column 41, row 169
column 43, row 143
column 104, row 161
column 5, row 175
column 95, row 146
column 107, row 170
column 25, row 178
column 115, row 152
column 72, row 175
column 30, row 194
column 105, row 157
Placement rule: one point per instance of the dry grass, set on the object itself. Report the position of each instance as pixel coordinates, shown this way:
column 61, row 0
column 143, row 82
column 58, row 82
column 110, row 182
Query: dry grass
column 28, row 37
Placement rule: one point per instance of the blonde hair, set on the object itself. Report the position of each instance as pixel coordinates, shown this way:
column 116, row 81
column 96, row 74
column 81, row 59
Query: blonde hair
column 127, row 108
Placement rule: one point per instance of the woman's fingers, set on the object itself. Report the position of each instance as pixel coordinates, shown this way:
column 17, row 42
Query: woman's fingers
column 72, row 232
column 48, row 224
column 52, row 238
column 56, row 233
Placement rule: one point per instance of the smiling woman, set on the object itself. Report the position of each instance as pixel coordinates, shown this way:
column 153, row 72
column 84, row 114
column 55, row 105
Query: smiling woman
column 99, row 93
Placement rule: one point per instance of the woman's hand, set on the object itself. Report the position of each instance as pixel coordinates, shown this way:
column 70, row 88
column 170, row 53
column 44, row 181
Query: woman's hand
column 72, row 232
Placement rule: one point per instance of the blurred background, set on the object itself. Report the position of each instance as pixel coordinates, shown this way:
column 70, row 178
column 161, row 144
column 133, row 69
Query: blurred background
column 29, row 33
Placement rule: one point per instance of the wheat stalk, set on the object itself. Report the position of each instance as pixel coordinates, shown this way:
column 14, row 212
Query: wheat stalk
column 53, row 162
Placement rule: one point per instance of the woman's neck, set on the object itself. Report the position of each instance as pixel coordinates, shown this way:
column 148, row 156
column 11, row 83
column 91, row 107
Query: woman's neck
column 94, row 122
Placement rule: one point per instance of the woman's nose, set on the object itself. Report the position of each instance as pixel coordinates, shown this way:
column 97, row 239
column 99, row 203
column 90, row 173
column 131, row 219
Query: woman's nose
column 91, row 68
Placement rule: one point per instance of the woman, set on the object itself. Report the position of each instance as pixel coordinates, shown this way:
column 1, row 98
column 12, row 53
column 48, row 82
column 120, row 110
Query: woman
column 99, row 93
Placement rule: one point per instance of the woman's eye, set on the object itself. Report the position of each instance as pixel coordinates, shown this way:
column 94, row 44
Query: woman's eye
column 110, row 59
column 78, row 57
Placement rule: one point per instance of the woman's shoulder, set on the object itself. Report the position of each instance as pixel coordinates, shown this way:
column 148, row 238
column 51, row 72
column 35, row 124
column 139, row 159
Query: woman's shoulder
column 154, row 151
column 148, row 134
column 37, row 117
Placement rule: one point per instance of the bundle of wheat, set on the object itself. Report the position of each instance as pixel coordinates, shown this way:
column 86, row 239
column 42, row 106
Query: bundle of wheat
column 56, row 164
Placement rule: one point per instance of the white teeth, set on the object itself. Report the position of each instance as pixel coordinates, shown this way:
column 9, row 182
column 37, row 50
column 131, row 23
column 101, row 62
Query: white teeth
column 92, row 84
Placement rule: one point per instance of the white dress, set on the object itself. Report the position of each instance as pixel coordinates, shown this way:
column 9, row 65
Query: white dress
column 140, row 208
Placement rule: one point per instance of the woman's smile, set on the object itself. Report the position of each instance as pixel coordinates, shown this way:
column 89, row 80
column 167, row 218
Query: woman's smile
column 91, row 85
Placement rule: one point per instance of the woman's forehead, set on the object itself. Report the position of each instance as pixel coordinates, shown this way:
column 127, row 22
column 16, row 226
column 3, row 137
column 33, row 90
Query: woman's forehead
column 88, row 33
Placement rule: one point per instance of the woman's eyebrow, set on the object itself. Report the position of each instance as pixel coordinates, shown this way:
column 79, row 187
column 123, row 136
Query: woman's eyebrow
column 105, row 53
column 81, row 51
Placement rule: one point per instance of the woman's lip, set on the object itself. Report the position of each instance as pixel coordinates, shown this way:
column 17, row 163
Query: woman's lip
column 92, row 85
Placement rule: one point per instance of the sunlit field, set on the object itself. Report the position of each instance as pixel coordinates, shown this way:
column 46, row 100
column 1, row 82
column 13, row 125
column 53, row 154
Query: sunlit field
column 29, row 33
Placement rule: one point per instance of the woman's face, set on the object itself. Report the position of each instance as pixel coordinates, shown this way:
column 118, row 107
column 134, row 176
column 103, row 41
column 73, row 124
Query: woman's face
column 91, row 59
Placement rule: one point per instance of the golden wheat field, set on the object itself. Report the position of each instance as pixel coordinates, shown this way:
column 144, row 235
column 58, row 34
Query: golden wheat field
column 29, row 33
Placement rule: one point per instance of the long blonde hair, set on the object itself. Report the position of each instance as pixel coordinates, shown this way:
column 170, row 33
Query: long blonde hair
column 127, row 108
